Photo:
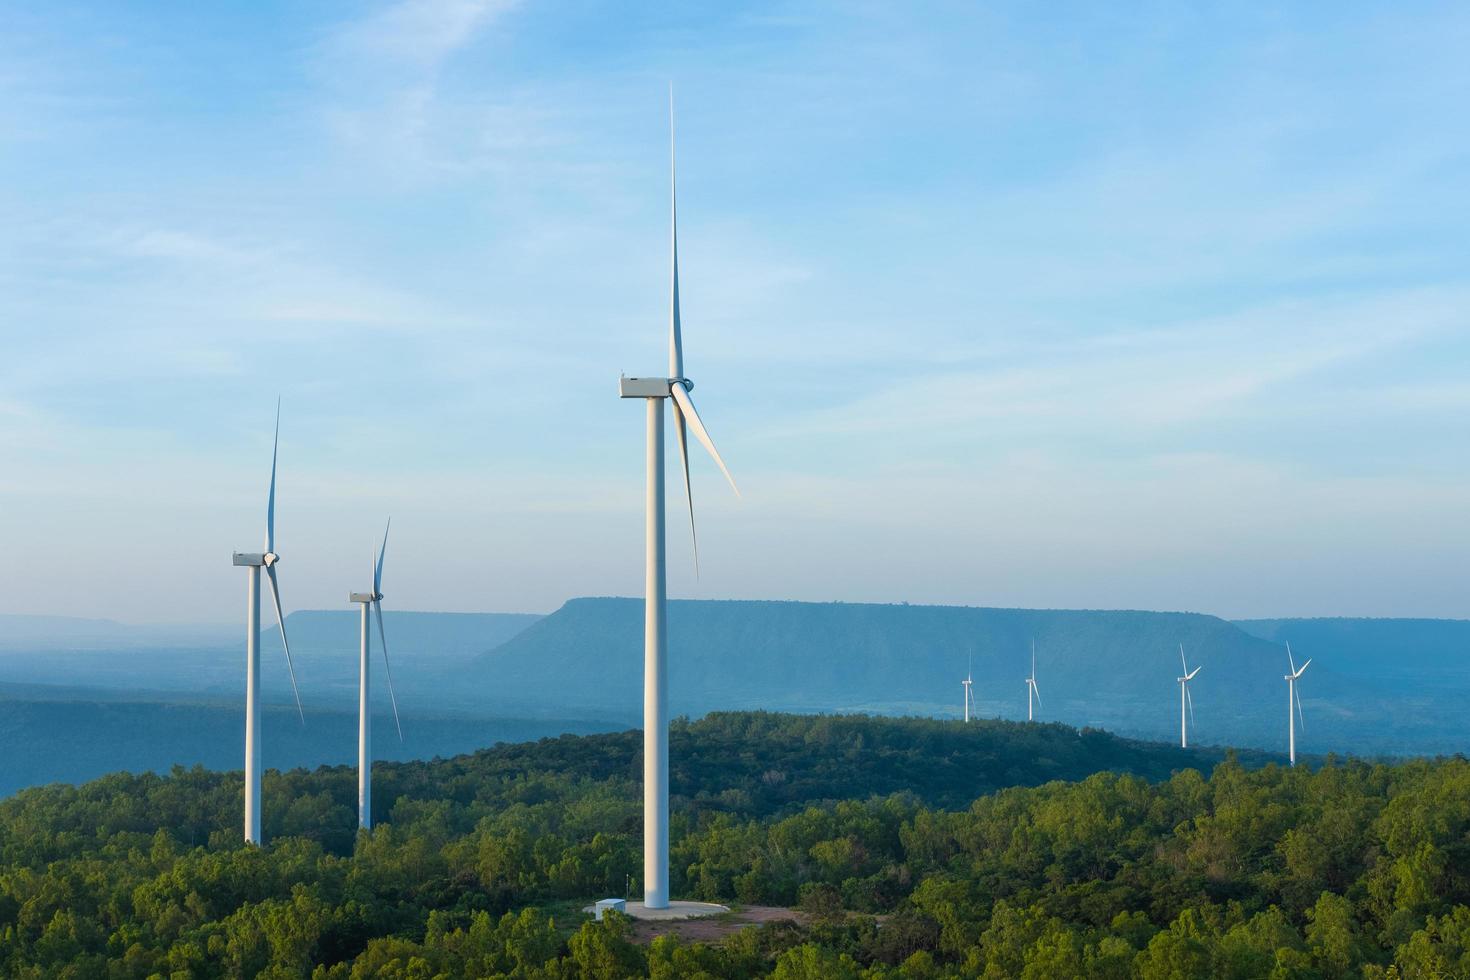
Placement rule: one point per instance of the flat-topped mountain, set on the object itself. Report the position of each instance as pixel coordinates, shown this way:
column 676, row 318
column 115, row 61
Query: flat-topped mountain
column 1113, row 669
column 1375, row 686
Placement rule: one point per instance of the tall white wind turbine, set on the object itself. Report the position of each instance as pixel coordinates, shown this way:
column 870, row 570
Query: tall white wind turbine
column 371, row 602
column 1185, row 698
column 255, row 561
column 1294, row 701
column 1033, row 693
column 655, row 391
column 969, row 683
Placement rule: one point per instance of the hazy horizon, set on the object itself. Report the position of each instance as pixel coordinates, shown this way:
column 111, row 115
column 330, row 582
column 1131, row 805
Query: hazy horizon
column 1092, row 309
column 228, row 625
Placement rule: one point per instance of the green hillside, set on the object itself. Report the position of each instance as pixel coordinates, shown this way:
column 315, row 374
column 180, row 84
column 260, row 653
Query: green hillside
column 1349, row 871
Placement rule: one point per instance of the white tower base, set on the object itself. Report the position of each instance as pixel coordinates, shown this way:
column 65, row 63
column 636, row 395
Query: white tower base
column 252, row 709
column 364, row 732
column 655, row 677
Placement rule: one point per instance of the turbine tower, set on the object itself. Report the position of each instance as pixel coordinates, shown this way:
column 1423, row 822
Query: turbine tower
column 969, row 683
column 655, row 391
column 370, row 602
column 1033, row 693
column 255, row 561
column 1185, row 698
column 1293, row 699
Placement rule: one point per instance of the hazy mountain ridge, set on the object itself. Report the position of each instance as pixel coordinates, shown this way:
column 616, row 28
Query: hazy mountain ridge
column 140, row 707
column 442, row 634
column 60, row 736
column 209, row 661
column 26, row 633
column 1411, row 649
column 726, row 653
column 1111, row 669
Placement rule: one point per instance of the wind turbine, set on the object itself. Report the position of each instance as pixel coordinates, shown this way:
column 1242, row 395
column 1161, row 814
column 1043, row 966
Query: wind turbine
column 1294, row 699
column 969, row 683
column 655, row 391
column 370, row 601
column 1032, row 691
column 255, row 561
column 1185, row 697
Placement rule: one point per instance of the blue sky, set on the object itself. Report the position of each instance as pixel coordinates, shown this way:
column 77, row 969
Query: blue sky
column 1147, row 305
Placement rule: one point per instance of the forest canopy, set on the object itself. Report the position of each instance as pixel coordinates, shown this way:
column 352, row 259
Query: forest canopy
column 917, row 849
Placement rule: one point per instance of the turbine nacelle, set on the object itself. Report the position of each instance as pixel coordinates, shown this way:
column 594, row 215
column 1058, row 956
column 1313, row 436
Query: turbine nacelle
column 651, row 387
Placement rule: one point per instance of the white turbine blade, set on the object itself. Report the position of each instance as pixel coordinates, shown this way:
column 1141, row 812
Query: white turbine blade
column 676, row 339
column 1304, row 667
column 1289, row 658
column 270, row 573
column 681, row 398
column 1038, row 692
column 388, row 667
column 1301, row 721
column 270, row 504
column 1189, row 699
column 1190, row 676
column 681, row 436
column 1181, row 659
column 378, row 568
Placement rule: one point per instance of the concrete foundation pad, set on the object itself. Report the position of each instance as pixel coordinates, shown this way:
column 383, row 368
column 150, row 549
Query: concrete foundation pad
column 676, row 910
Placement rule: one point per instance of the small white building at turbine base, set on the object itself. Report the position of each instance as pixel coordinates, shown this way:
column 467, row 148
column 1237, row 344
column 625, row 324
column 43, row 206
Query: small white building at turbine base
column 609, row 905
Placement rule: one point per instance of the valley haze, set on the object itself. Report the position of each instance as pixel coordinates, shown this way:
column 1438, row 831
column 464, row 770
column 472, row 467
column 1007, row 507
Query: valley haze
column 466, row 680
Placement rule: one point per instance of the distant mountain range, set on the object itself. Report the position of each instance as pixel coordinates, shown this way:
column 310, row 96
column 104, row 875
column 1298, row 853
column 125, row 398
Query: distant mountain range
column 1376, row 686
column 72, row 736
column 1112, row 669
column 1423, row 652
column 32, row 634
column 208, row 660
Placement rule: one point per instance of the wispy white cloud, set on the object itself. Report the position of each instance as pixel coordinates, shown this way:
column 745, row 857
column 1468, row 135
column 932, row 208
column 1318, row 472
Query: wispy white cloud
column 1134, row 385
column 168, row 243
column 380, row 78
column 418, row 33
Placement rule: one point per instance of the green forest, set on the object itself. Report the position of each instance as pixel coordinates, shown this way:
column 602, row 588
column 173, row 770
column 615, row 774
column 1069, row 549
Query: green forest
column 916, row 849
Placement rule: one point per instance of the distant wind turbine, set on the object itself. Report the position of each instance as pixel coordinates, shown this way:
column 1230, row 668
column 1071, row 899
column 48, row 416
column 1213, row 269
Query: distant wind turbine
column 255, row 561
column 1033, row 693
column 371, row 601
column 969, row 683
column 1185, row 697
column 1294, row 700
column 656, row 391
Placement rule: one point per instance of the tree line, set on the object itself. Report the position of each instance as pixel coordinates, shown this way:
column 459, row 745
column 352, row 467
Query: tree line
column 1349, row 870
